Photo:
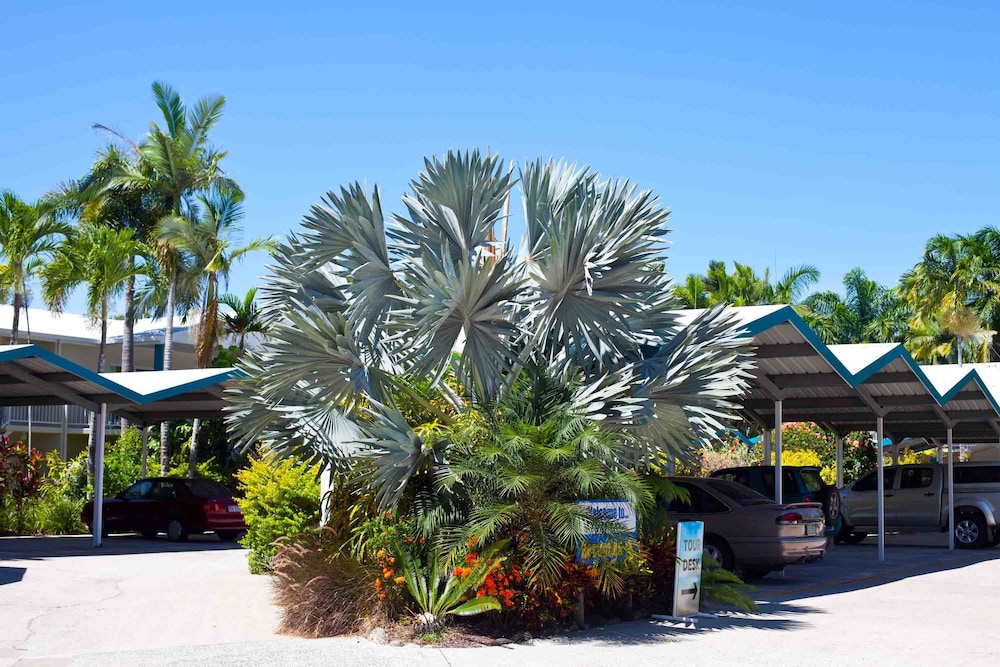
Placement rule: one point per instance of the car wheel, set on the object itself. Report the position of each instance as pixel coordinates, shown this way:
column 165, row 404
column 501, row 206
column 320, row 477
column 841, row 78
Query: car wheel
column 971, row 531
column 176, row 530
column 228, row 535
column 148, row 533
column 104, row 531
column 717, row 549
column 831, row 504
column 854, row 538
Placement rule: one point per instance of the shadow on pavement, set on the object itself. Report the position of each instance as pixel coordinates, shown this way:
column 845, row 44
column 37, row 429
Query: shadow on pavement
column 11, row 575
column 35, row 548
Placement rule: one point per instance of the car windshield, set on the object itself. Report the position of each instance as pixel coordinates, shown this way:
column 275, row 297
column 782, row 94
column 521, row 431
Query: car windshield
column 812, row 480
column 206, row 488
column 737, row 492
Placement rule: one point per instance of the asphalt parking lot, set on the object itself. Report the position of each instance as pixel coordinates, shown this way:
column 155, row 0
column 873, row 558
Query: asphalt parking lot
column 159, row 603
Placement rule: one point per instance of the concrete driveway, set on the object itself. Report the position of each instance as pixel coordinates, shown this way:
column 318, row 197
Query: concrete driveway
column 164, row 604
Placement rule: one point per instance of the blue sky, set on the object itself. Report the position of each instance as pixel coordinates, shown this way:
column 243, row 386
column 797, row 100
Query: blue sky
column 838, row 134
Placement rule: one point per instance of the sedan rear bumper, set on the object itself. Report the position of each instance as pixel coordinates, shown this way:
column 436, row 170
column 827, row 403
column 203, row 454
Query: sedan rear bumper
column 780, row 551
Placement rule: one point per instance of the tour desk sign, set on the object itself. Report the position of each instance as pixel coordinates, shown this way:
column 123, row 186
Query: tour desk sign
column 687, row 574
column 608, row 546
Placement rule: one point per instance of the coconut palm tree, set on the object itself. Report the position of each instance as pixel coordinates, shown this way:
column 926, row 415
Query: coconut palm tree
column 244, row 319
column 178, row 161
column 29, row 235
column 867, row 313
column 211, row 241
column 362, row 315
column 101, row 259
column 744, row 286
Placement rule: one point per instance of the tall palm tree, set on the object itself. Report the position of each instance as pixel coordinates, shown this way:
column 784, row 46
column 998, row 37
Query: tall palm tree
column 244, row 319
column 178, row 161
column 29, row 235
column 867, row 313
column 101, row 259
column 360, row 317
column 744, row 286
column 211, row 241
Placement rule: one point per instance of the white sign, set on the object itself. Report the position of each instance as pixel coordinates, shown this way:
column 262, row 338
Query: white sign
column 604, row 546
column 687, row 574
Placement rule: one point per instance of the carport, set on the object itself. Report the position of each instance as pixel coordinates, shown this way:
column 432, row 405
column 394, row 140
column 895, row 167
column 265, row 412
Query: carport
column 31, row 375
column 846, row 388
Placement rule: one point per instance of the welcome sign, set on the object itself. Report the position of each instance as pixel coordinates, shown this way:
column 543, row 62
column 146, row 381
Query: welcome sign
column 604, row 547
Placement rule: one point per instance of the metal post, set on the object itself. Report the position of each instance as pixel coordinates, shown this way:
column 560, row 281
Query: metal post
column 895, row 453
column 777, row 453
column 767, row 447
column 97, row 521
column 145, row 448
column 938, row 456
column 839, row 440
column 951, row 493
column 880, row 463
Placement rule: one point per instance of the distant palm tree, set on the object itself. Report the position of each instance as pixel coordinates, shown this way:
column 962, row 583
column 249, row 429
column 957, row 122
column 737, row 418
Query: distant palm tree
column 867, row 313
column 744, row 286
column 102, row 260
column 178, row 161
column 245, row 319
column 29, row 235
column 211, row 241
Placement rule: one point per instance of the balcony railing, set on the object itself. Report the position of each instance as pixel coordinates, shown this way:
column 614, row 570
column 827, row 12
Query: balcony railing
column 52, row 415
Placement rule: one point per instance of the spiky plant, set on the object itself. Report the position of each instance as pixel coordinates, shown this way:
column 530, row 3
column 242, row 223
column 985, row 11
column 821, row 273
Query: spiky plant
column 362, row 310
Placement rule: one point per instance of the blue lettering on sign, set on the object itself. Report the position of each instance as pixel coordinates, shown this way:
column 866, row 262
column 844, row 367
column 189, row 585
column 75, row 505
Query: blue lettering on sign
column 611, row 546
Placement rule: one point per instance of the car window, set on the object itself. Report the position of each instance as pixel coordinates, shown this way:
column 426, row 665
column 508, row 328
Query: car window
column 737, row 476
column 790, row 485
column 870, row 481
column 165, row 490
column 915, row 478
column 139, row 489
column 977, row 475
column 738, row 493
column 812, row 480
column 206, row 488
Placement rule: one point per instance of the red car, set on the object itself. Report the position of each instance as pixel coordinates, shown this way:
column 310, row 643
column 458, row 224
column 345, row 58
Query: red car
column 173, row 505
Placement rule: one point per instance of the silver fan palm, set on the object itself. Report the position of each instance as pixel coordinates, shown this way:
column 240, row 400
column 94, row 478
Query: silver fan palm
column 362, row 311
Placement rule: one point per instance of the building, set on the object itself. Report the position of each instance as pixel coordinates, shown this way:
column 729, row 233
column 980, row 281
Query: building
column 77, row 338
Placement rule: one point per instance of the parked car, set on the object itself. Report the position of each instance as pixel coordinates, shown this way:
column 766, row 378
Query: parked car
column 746, row 532
column 800, row 484
column 916, row 499
column 172, row 505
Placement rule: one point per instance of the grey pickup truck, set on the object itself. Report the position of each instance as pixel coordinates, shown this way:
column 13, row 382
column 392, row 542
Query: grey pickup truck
column 916, row 498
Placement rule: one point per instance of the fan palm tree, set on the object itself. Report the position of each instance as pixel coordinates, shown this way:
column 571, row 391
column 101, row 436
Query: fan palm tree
column 29, row 235
column 178, row 161
column 867, row 313
column 361, row 315
column 102, row 259
column 211, row 241
column 244, row 318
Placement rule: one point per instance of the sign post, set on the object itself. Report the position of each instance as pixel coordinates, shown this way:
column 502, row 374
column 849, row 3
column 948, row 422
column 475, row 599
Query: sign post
column 687, row 574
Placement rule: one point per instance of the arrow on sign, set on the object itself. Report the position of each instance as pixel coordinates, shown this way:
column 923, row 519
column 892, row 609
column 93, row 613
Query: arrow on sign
column 693, row 591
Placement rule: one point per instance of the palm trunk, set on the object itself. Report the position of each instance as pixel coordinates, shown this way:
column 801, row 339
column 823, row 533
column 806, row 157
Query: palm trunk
column 959, row 338
column 128, row 337
column 102, row 351
column 168, row 346
column 18, row 300
column 193, row 451
column 204, row 352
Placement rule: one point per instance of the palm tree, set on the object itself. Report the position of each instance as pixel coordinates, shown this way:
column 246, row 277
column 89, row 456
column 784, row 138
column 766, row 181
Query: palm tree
column 360, row 319
column 867, row 313
column 178, row 161
column 102, row 259
column 244, row 319
column 210, row 241
column 744, row 286
column 29, row 235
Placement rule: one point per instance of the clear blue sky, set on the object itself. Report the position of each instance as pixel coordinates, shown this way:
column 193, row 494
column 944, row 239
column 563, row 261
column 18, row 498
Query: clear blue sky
column 838, row 134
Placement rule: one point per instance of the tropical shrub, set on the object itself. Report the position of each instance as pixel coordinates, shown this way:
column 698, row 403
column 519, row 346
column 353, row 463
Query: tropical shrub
column 20, row 483
column 280, row 499
column 727, row 455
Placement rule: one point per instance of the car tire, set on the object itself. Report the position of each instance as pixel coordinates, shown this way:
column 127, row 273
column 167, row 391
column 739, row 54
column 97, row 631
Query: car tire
column 854, row 538
column 148, row 534
column 104, row 531
column 996, row 537
column 176, row 530
column 717, row 549
column 830, row 497
column 228, row 535
column 750, row 573
column 971, row 531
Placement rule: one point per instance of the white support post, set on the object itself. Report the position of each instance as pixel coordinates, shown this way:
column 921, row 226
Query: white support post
column 145, row 448
column 880, row 463
column 951, row 493
column 777, row 453
column 767, row 446
column 97, row 521
column 839, row 440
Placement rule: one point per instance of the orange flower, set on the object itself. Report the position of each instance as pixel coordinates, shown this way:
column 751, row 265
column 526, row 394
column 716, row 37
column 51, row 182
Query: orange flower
column 400, row 580
column 378, row 584
column 381, row 596
column 471, row 558
column 480, row 593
